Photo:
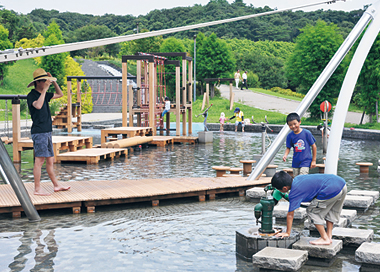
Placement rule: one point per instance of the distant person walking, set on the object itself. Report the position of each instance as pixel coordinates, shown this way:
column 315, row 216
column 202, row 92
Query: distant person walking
column 237, row 77
column 38, row 104
column 244, row 81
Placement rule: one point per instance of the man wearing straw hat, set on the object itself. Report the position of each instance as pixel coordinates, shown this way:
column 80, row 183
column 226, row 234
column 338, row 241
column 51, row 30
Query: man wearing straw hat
column 38, row 104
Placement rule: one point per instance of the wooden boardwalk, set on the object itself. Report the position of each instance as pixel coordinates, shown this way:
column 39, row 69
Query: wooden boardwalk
column 89, row 194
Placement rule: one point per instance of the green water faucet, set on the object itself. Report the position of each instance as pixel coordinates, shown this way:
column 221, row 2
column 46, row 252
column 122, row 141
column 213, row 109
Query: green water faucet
column 264, row 209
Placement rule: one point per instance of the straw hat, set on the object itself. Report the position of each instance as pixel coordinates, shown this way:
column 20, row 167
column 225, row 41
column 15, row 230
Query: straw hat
column 39, row 74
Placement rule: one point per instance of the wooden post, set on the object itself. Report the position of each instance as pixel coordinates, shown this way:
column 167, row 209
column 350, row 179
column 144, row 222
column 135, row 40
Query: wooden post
column 177, row 99
column 190, row 92
column 152, row 97
column 184, row 94
column 138, row 93
column 16, row 130
column 207, row 93
column 69, row 107
column 124, row 97
column 130, row 90
column 230, row 91
column 79, row 105
column 232, row 101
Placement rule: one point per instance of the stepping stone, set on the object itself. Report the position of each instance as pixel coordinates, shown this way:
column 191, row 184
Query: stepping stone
column 358, row 202
column 281, row 210
column 373, row 194
column 310, row 226
column 280, row 259
column 368, row 253
column 318, row 251
column 255, row 193
column 353, row 237
column 350, row 215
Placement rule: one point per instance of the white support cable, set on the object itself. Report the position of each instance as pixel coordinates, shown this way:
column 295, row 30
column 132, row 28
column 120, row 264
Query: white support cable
column 61, row 48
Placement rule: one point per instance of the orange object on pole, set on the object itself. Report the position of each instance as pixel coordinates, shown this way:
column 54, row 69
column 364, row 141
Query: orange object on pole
column 325, row 106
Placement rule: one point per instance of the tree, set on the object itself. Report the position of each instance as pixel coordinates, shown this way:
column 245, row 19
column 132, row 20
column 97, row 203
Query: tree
column 146, row 45
column 214, row 58
column 54, row 63
column 171, row 45
column 314, row 48
column 4, row 44
column 94, row 32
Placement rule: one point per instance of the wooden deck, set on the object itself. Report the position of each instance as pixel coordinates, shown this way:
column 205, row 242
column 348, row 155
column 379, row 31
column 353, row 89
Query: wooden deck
column 126, row 132
column 90, row 194
column 162, row 140
column 60, row 143
column 185, row 139
column 92, row 155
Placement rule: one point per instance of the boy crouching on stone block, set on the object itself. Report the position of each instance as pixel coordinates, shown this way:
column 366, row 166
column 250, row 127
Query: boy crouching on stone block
column 326, row 194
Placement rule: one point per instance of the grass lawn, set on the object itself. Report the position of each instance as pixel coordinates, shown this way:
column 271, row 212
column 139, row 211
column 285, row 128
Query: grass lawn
column 223, row 105
column 19, row 76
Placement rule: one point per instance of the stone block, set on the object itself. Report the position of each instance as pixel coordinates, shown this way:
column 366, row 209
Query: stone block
column 373, row 194
column 368, row 253
column 353, row 237
column 249, row 241
column 281, row 210
column 350, row 215
column 358, row 202
column 255, row 193
column 318, row 251
column 281, row 259
column 205, row 137
column 342, row 224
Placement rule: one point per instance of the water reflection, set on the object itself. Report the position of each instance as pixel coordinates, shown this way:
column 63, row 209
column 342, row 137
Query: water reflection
column 178, row 235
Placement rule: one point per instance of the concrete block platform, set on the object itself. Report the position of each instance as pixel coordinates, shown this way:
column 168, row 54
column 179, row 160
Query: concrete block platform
column 255, row 193
column 350, row 215
column 281, row 210
column 373, row 194
column 249, row 242
column 353, row 237
column 279, row 259
column 369, row 255
column 316, row 251
column 358, row 202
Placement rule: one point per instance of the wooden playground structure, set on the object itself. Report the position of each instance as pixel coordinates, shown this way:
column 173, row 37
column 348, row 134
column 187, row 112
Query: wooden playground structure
column 143, row 103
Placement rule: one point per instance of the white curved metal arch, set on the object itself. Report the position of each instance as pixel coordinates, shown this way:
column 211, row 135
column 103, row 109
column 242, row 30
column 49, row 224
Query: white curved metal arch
column 368, row 15
column 347, row 89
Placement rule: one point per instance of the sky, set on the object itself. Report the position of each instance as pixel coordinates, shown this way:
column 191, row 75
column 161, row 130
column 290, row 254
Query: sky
column 142, row 7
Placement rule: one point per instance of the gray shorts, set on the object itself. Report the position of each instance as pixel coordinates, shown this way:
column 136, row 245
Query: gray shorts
column 43, row 145
column 300, row 171
column 321, row 210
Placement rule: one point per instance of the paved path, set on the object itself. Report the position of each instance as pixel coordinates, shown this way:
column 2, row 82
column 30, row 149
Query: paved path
column 273, row 103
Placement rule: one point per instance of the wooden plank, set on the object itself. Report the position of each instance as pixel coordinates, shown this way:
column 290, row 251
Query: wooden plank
column 105, row 192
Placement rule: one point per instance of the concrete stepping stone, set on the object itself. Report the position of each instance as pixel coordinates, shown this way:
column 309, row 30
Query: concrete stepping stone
column 373, row 194
column 281, row 210
column 310, row 226
column 369, row 254
column 350, row 215
column 255, row 193
column 280, row 259
column 358, row 202
column 353, row 237
column 318, row 251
